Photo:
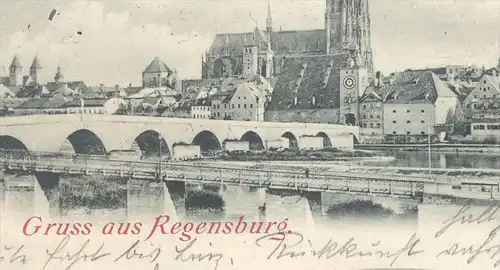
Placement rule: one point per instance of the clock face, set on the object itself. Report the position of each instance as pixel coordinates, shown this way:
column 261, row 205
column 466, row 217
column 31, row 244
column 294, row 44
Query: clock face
column 349, row 82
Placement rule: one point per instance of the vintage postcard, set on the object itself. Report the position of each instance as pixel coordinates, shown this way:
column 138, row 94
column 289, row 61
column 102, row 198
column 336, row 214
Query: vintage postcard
column 250, row 134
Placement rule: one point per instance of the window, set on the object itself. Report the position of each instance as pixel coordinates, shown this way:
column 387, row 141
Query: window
column 378, row 125
column 245, row 97
column 422, row 111
column 378, row 116
column 371, row 115
column 364, row 106
column 371, row 125
column 423, row 132
column 244, row 106
column 233, row 106
column 364, row 115
column 408, row 133
column 218, row 114
column 394, row 121
column 239, row 97
column 422, row 121
column 408, row 121
column 251, row 106
column 218, row 106
column 394, row 132
column 408, row 111
column 394, row 111
column 214, row 106
column 484, row 96
column 239, row 106
column 225, row 106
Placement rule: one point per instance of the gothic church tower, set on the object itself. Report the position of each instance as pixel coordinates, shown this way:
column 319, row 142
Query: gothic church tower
column 348, row 21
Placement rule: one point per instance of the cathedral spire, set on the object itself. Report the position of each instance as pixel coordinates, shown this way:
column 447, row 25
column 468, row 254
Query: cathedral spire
column 269, row 21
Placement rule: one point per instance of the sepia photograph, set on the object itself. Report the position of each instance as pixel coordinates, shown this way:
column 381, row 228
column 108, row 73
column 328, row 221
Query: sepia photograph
column 246, row 134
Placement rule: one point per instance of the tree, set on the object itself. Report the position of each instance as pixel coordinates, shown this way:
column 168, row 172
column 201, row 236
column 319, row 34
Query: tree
column 122, row 109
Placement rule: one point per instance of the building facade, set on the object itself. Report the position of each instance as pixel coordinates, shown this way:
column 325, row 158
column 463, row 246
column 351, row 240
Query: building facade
column 415, row 106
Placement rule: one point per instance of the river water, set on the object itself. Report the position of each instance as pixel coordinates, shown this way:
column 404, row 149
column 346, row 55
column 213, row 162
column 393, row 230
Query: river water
column 420, row 159
column 26, row 201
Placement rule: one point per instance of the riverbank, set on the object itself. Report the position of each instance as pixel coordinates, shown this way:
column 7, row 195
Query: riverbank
column 441, row 147
column 329, row 154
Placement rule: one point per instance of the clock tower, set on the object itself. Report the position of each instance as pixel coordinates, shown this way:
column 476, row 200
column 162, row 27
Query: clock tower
column 353, row 82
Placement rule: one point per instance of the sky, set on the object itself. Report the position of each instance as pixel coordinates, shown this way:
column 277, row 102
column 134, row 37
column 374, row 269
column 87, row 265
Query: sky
column 112, row 41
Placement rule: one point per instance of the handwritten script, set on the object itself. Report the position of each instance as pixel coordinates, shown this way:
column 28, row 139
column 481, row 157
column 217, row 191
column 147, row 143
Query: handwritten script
column 73, row 252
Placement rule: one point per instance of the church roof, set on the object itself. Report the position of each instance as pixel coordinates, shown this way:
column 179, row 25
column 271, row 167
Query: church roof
column 157, row 66
column 282, row 42
column 15, row 63
column 320, row 79
column 36, row 63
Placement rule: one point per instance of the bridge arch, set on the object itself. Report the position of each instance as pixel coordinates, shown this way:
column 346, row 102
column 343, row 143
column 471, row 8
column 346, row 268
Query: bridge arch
column 9, row 142
column 207, row 141
column 254, row 140
column 354, row 138
column 87, row 142
column 293, row 143
column 327, row 143
column 150, row 142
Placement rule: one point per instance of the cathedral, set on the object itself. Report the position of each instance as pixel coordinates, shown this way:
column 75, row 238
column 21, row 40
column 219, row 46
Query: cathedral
column 263, row 52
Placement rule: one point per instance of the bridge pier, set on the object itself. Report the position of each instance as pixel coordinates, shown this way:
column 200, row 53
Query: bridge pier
column 17, row 195
column 301, row 208
column 49, row 182
column 246, row 201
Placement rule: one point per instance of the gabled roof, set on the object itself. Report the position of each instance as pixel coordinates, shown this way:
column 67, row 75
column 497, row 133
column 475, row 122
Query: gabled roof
column 42, row 103
column 412, row 87
column 157, row 66
column 15, row 63
column 307, row 77
column 87, row 102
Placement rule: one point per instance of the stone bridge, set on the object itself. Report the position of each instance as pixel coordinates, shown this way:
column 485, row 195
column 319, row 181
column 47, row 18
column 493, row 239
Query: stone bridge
column 100, row 134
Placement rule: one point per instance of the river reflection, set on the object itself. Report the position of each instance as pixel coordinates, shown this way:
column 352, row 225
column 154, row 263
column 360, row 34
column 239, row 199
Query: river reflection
column 420, row 159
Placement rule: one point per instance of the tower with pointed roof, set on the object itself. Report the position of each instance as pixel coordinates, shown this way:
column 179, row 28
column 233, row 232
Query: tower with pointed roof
column 59, row 76
column 15, row 72
column 35, row 71
column 269, row 23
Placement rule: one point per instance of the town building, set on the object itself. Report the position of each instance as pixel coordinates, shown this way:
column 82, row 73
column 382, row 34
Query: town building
column 95, row 106
column 202, row 108
column 372, row 115
column 487, row 88
column 265, row 51
column 417, row 105
column 245, row 103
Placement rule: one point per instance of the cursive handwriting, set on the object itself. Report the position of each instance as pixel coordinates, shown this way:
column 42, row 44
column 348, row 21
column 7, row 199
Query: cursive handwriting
column 473, row 252
column 184, row 256
column 61, row 255
column 462, row 217
column 17, row 257
column 349, row 249
column 132, row 253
